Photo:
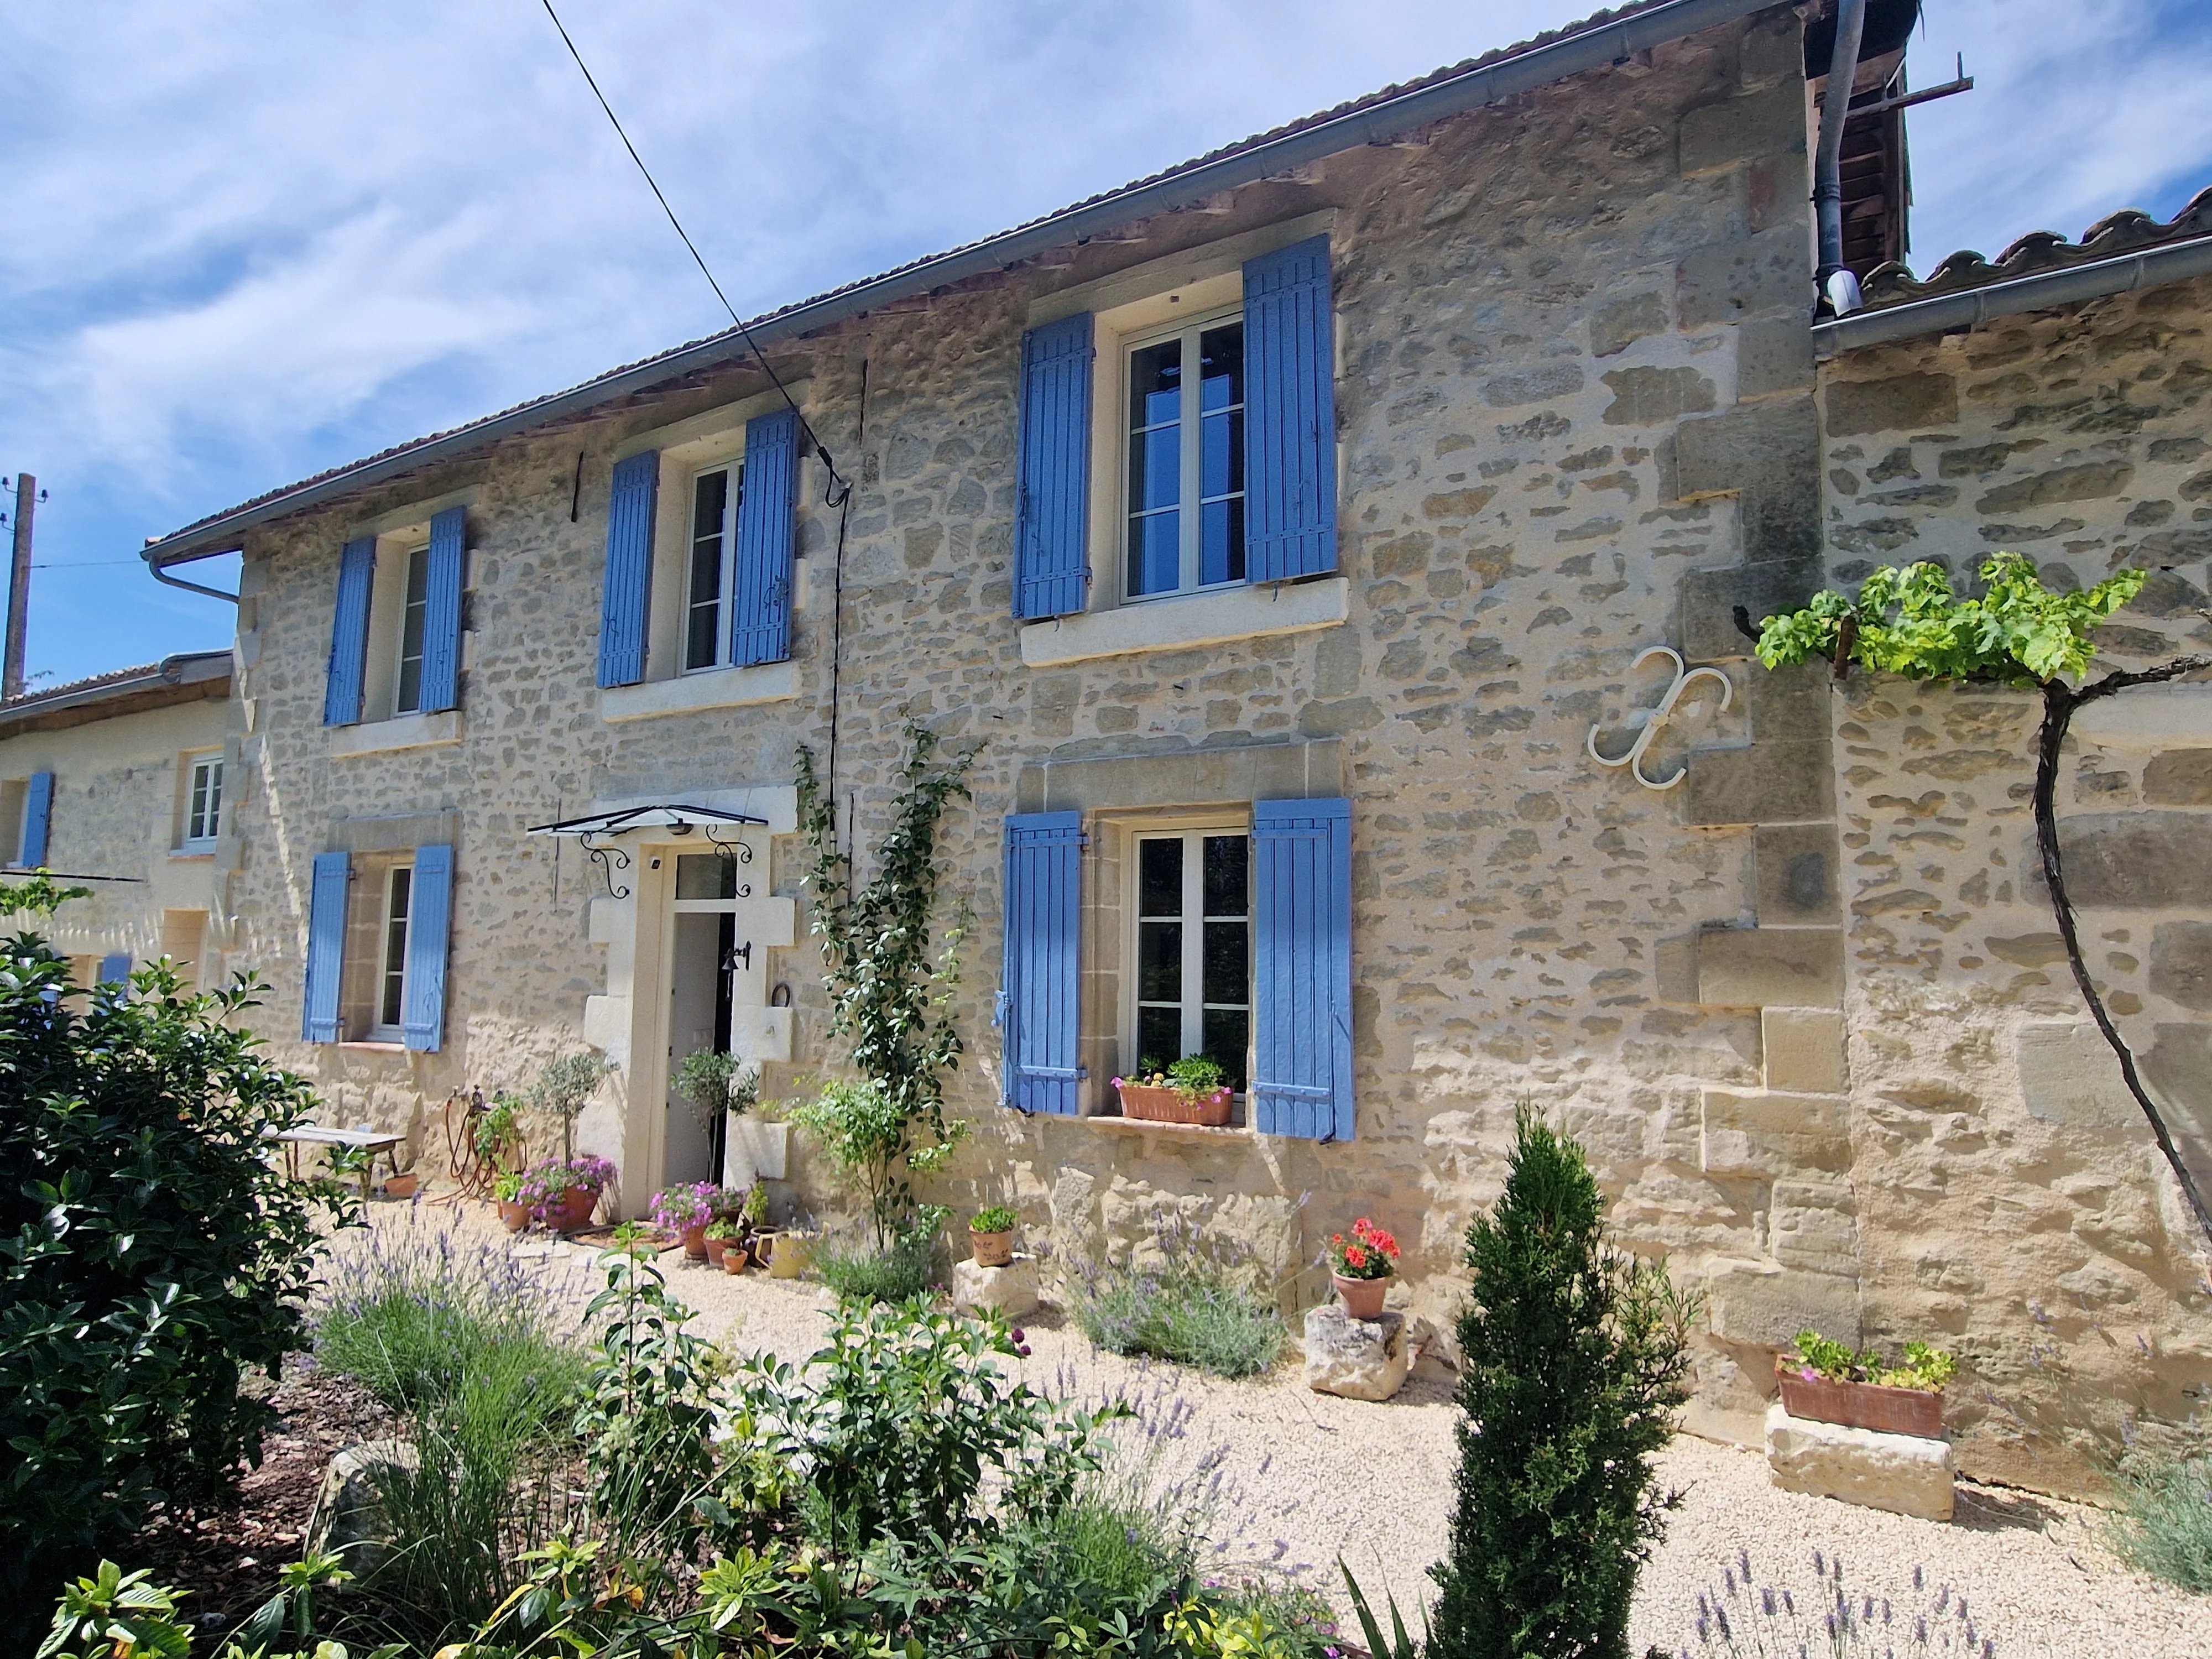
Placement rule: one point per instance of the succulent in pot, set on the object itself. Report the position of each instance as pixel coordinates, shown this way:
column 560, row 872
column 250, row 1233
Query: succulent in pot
column 991, row 1235
column 685, row 1210
column 562, row 1191
column 1362, row 1266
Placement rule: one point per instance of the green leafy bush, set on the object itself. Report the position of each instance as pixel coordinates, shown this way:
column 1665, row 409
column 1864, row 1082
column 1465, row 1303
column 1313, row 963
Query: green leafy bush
column 1575, row 1357
column 998, row 1219
column 1194, row 1304
column 150, row 1251
column 2165, row 1522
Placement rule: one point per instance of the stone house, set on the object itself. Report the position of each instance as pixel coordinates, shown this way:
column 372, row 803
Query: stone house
column 1295, row 689
column 116, row 782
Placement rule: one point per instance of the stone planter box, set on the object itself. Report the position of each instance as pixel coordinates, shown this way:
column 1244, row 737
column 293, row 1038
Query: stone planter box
column 1861, row 1405
column 1170, row 1106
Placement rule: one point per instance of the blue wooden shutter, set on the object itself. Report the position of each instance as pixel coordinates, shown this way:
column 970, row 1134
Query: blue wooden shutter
column 441, row 611
column 1302, row 968
column 630, row 568
column 429, row 923
column 350, row 635
column 1051, row 571
column 760, row 620
column 38, row 819
column 326, row 927
column 1289, row 414
column 1044, row 961
column 114, row 970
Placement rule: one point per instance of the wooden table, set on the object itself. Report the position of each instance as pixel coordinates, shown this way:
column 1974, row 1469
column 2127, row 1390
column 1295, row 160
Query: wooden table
column 372, row 1141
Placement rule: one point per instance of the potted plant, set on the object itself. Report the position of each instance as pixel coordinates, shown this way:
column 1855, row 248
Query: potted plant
column 402, row 1184
column 498, row 1132
column 1193, row 1090
column 564, row 1088
column 1362, row 1266
column 507, row 1193
column 721, row 1235
column 685, row 1211
column 562, row 1191
column 991, row 1236
column 1825, row 1383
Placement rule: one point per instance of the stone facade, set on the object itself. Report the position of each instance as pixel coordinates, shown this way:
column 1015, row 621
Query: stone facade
column 1577, row 419
column 121, row 753
column 2011, row 1202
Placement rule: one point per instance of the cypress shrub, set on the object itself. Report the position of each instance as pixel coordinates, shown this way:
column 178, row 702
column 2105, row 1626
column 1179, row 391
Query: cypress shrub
column 1574, row 1361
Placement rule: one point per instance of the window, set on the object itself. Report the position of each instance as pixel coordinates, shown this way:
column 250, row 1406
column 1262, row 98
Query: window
column 711, row 570
column 414, row 613
column 1184, row 526
column 203, row 801
column 391, row 969
column 13, row 793
column 1193, row 922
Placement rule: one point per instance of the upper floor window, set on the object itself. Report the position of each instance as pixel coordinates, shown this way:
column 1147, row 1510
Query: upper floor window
column 413, row 614
column 711, row 571
column 203, row 801
column 1185, row 525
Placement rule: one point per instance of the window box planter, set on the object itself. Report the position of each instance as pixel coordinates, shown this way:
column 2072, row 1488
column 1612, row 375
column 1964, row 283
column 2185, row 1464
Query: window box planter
column 1860, row 1405
column 1151, row 1105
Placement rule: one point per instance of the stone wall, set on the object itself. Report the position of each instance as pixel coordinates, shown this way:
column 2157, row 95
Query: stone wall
column 1575, row 420
column 2011, row 1203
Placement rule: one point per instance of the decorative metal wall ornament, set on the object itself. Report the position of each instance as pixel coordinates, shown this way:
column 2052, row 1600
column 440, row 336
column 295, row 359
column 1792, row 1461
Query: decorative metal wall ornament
column 1655, row 718
column 600, row 855
column 733, row 854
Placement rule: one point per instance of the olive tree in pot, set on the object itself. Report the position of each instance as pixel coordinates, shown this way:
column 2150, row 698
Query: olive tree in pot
column 564, row 1088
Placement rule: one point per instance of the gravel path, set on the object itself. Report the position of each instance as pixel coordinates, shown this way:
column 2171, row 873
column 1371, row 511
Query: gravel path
column 1306, row 1477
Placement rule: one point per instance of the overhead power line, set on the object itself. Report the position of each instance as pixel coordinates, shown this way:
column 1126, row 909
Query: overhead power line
column 837, row 491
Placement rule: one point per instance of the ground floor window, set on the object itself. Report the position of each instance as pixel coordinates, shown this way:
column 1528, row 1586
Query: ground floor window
column 1193, row 951
column 391, row 967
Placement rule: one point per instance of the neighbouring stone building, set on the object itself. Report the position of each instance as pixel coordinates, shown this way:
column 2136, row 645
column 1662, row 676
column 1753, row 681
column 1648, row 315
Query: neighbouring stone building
column 116, row 783
column 1296, row 746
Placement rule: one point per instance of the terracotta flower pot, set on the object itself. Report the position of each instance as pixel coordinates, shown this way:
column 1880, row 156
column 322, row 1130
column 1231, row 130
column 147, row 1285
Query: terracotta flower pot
column 401, row 1185
column 1860, row 1405
column 1362, row 1297
column 716, row 1248
column 572, row 1211
column 695, row 1242
column 515, row 1216
column 992, row 1249
column 1149, row 1105
column 734, row 1259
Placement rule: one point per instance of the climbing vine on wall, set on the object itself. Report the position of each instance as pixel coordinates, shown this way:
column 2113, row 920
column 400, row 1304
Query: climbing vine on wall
column 890, row 993
column 2018, row 633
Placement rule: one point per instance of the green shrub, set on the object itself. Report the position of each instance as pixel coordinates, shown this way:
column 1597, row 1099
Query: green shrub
column 2165, row 1524
column 1574, row 1363
column 998, row 1219
column 150, row 1250
column 898, row 1271
column 459, row 1341
column 1197, row 1307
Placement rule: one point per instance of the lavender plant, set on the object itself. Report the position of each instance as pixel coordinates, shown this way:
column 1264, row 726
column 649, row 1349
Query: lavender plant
column 1747, row 1617
column 1196, row 1302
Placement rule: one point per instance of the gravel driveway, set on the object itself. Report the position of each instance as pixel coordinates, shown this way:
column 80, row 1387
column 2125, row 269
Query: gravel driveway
column 1307, row 1477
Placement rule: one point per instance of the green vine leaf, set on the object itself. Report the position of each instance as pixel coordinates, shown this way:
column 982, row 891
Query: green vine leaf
column 1909, row 622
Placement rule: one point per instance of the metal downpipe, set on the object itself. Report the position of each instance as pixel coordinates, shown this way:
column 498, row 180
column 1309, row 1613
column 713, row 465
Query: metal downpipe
column 1836, row 298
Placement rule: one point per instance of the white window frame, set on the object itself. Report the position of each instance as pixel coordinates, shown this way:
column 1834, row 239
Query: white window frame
column 412, row 560
column 390, row 974
column 734, row 468
column 1189, row 506
column 202, row 821
column 1192, row 834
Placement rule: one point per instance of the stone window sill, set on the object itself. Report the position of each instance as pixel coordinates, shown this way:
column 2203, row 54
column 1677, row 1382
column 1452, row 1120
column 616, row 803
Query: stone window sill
column 402, row 731
column 691, row 694
column 1175, row 1131
column 2151, row 717
column 378, row 1048
column 193, row 849
column 1238, row 613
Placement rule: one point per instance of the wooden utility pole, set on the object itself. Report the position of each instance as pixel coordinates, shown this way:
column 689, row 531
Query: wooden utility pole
column 19, row 587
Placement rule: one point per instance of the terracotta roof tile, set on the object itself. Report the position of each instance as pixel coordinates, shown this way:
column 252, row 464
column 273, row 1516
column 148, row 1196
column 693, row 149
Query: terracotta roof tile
column 2123, row 233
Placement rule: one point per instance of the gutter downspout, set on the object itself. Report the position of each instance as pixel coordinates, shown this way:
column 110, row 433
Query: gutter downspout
column 162, row 576
column 1838, row 289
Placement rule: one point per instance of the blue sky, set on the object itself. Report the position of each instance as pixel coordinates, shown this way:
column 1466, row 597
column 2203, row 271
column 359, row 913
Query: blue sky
column 251, row 239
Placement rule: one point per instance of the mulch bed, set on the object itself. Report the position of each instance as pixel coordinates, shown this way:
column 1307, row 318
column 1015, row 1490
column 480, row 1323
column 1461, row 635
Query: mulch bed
column 227, row 1557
